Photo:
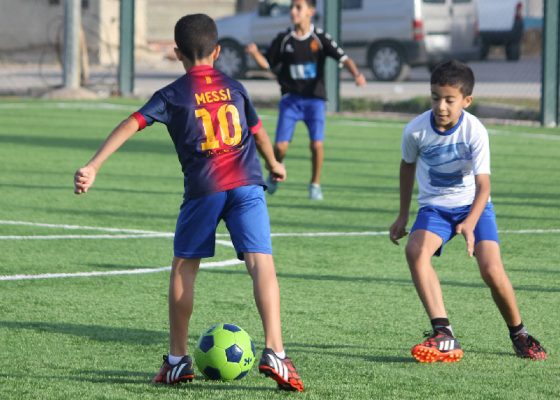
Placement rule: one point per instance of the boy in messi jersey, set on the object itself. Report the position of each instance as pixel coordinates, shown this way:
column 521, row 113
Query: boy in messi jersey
column 216, row 133
column 298, row 57
column 448, row 149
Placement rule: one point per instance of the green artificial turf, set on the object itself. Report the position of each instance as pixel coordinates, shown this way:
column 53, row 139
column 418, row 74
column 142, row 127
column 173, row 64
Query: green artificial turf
column 350, row 313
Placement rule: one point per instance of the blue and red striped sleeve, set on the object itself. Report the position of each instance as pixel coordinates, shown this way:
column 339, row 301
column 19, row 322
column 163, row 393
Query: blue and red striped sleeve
column 154, row 110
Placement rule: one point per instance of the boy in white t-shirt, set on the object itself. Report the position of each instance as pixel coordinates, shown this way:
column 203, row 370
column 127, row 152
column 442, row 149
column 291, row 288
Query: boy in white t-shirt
column 448, row 149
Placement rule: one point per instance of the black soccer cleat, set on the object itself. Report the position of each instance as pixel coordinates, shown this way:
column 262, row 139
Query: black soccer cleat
column 281, row 370
column 172, row 374
column 526, row 346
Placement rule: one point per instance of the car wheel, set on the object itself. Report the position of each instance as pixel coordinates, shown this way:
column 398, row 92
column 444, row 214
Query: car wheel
column 232, row 60
column 387, row 63
column 484, row 50
column 513, row 51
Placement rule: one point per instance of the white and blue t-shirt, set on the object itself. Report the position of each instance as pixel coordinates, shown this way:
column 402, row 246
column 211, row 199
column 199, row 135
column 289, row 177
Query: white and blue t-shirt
column 446, row 162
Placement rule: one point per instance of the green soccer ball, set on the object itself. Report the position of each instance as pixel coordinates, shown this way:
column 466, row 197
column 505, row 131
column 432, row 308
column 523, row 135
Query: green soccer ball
column 225, row 352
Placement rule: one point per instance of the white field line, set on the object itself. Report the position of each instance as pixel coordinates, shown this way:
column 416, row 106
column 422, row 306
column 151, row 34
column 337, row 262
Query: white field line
column 151, row 234
column 63, row 237
column 68, row 106
column 542, row 136
column 137, row 233
column 396, row 124
column 136, row 271
column 78, row 227
column 347, row 122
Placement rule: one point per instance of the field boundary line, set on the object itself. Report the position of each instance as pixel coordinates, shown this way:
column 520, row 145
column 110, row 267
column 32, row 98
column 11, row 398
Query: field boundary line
column 138, row 233
column 59, row 237
column 78, row 227
column 136, row 271
column 346, row 121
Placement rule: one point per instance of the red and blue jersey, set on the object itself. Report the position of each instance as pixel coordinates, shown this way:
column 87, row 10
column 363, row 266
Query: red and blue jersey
column 210, row 119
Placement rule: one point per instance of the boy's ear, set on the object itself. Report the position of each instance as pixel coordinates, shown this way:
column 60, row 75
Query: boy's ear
column 178, row 54
column 216, row 52
column 467, row 101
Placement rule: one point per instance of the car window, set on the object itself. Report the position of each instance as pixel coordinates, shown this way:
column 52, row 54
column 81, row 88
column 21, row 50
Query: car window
column 274, row 8
column 435, row 1
column 461, row 1
column 351, row 4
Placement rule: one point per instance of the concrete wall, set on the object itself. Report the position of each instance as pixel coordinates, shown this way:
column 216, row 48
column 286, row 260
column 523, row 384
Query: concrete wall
column 28, row 26
column 164, row 13
column 534, row 8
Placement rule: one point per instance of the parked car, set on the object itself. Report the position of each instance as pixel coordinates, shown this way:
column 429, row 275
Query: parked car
column 501, row 24
column 388, row 36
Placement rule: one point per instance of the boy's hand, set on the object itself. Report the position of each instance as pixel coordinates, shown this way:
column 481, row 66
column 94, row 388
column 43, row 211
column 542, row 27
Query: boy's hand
column 278, row 172
column 251, row 48
column 84, row 178
column 398, row 230
column 467, row 231
column 360, row 80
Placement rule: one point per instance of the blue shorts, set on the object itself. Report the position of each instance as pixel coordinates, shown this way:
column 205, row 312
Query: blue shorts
column 294, row 108
column 442, row 221
column 244, row 211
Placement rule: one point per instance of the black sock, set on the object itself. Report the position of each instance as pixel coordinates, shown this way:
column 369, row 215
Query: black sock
column 517, row 330
column 442, row 325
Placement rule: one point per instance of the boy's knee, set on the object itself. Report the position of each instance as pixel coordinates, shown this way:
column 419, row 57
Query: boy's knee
column 180, row 263
column 492, row 274
column 280, row 149
column 316, row 145
column 415, row 251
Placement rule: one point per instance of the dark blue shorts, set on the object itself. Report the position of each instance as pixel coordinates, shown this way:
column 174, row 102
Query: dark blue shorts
column 244, row 211
column 442, row 221
column 294, row 108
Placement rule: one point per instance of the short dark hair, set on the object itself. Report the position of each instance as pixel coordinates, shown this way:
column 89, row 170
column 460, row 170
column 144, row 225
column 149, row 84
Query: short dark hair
column 311, row 3
column 454, row 73
column 196, row 36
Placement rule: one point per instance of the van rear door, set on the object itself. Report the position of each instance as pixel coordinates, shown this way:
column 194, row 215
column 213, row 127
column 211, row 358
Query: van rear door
column 435, row 17
column 464, row 28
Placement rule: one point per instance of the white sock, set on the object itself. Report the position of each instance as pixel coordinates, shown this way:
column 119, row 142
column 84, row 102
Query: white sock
column 281, row 355
column 173, row 360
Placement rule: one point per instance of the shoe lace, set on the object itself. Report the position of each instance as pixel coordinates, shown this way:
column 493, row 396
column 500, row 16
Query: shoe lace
column 534, row 343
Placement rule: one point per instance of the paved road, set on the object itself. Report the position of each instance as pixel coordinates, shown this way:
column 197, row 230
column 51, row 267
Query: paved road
column 495, row 78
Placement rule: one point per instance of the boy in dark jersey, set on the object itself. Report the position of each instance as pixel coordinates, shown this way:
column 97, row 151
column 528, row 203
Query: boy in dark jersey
column 298, row 56
column 216, row 133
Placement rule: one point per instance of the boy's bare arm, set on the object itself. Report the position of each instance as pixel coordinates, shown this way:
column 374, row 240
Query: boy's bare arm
column 85, row 176
column 353, row 69
column 260, row 59
column 466, row 228
column 264, row 147
column 406, row 179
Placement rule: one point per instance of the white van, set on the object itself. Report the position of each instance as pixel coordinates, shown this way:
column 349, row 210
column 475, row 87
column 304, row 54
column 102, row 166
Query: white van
column 388, row 36
column 501, row 24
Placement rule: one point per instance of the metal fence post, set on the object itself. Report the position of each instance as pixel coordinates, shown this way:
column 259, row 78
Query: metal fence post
column 332, row 76
column 126, row 53
column 72, row 24
column 550, row 64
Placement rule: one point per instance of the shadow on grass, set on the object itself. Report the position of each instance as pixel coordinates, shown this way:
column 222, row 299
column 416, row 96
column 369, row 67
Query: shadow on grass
column 138, row 146
column 389, row 359
column 70, row 188
column 144, row 378
column 135, row 377
column 372, row 279
column 94, row 332
column 323, row 350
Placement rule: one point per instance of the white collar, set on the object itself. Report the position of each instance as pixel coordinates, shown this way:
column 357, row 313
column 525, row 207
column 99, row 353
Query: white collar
column 304, row 37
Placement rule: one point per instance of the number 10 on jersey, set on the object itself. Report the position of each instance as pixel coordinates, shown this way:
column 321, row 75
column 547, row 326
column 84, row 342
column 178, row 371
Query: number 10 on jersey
column 212, row 142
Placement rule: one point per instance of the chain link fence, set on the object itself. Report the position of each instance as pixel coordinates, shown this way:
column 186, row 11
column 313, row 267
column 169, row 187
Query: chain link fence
column 31, row 36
